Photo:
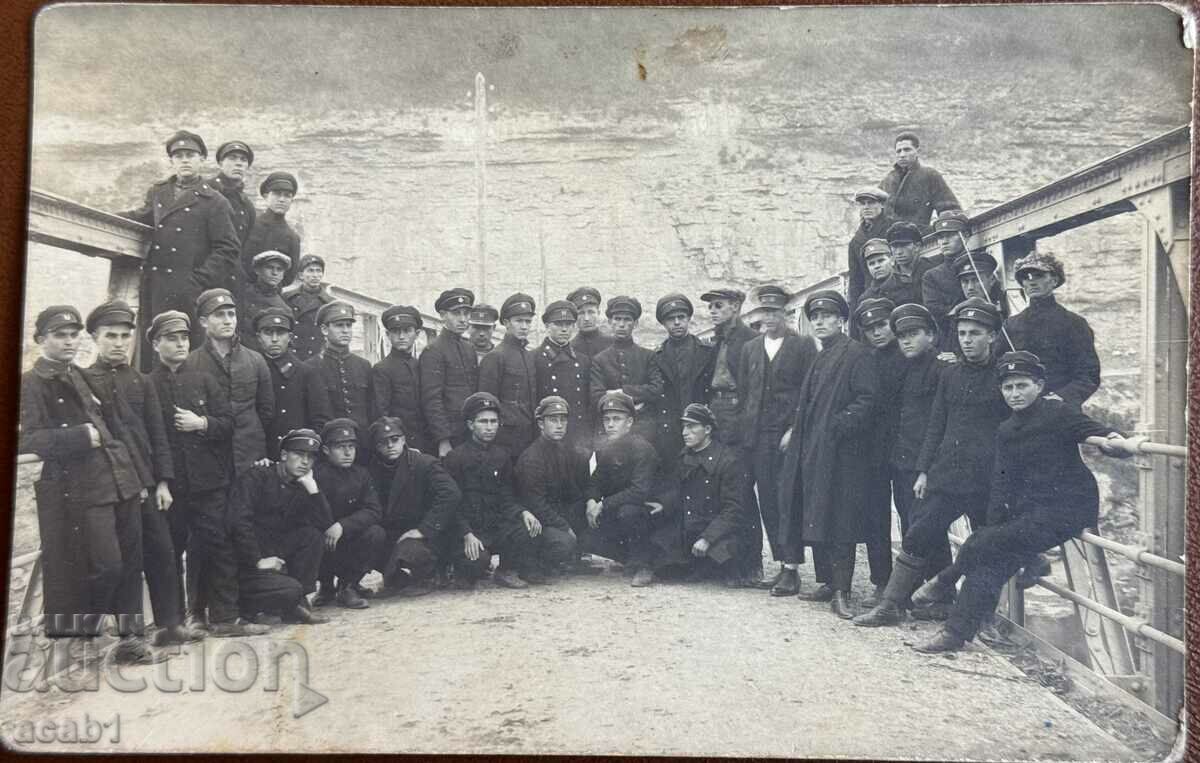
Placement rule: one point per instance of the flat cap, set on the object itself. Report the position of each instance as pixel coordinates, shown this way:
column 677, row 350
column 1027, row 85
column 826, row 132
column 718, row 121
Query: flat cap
column 1046, row 263
column 385, row 427
column 618, row 401
column 483, row 315
column 874, row 246
column 110, row 313
column 227, row 148
column 212, row 299
column 728, row 294
column 872, row 311
column 951, row 221
column 699, row 413
column 912, row 315
column 168, row 322
column 56, row 317
column 337, row 310
column 584, row 295
column 977, row 310
column 399, row 316
column 452, row 299
column 1020, row 363
column 671, row 304
column 311, row 259
column 517, row 304
column 552, row 405
column 479, row 402
column 827, row 299
column 271, row 256
column 967, row 263
column 279, row 181
column 772, row 296
column 560, row 310
column 624, row 304
column 274, row 317
column 871, row 192
column 339, row 430
column 186, row 140
column 903, row 232
column 301, row 440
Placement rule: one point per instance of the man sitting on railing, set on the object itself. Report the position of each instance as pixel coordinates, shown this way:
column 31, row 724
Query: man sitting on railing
column 1042, row 495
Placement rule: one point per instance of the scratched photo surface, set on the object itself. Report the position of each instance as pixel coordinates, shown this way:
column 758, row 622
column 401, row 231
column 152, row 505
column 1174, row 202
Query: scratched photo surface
column 641, row 152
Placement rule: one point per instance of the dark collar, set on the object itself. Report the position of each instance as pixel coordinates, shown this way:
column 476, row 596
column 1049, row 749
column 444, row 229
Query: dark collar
column 104, row 365
column 834, row 341
column 706, row 459
column 286, row 364
column 511, row 339
column 335, row 352
column 50, row 369
column 400, row 354
column 1043, row 303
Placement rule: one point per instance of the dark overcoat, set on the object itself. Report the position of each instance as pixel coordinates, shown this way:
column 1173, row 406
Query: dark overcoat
column 703, row 500
column 351, row 496
column 422, row 495
column 1065, row 344
column 508, row 372
column 146, row 429
column 244, row 212
column 396, row 391
column 449, row 375
column 271, row 233
column 345, row 378
column 674, row 388
column 770, row 388
column 254, row 299
column 916, row 193
column 202, row 460
column 857, row 269
column 625, row 366
column 307, row 339
column 551, row 480
column 247, row 383
column 625, row 472
column 301, row 400
column 567, row 373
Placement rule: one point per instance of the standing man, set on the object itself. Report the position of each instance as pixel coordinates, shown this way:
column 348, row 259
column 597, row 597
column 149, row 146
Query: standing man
column 262, row 291
column 306, row 297
column 564, row 372
column 242, row 372
column 824, row 502
column 915, row 192
column 193, row 246
column 551, row 484
column 345, row 377
column 773, row 367
column 481, row 324
column 396, row 380
column 873, row 223
column 680, row 372
column 449, row 372
column 940, row 290
column 625, row 366
column 271, row 231
column 508, row 373
column 233, row 160
column 299, row 396
column 589, row 339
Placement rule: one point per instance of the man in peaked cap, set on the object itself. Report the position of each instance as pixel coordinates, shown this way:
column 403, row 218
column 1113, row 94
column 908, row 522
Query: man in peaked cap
column 233, row 161
column 903, row 284
column 354, row 540
column 508, row 373
column 481, row 324
column 396, row 379
column 564, row 371
column 589, row 338
column 877, row 261
column 262, row 292
column 241, row 371
column 824, row 502
column 773, row 366
column 619, row 521
column 625, row 366
column 345, row 376
column 915, row 191
column 976, row 271
column 193, row 244
column 940, row 289
column 873, row 223
column 680, row 372
column 300, row 397
column 551, row 479
column 307, row 296
column 271, row 231
column 449, row 372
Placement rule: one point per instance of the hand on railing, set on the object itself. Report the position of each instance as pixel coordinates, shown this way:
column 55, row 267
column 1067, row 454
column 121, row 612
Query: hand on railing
column 1137, row 444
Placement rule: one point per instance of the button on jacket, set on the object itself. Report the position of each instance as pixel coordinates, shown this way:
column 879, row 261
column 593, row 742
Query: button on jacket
column 680, row 372
column 449, row 375
column 247, row 382
column 396, row 391
column 300, row 399
column 202, row 460
column 346, row 380
column 564, row 372
column 508, row 373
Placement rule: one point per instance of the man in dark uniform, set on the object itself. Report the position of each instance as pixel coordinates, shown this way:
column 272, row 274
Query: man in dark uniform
column 1042, row 495
column 619, row 520
column 199, row 421
column 261, row 292
column 940, row 289
column 702, row 508
column 354, row 540
column 490, row 521
column 345, row 377
column 88, row 497
column 396, row 380
column 299, row 397
column 234, row 159
column 824, row 502
column 419, row 499
column 241, row 371
column 903, row 286
column 773, row 366
column 625, row 366
column 976, row 271
column 306, row 297
column 449, row 372
column 481, row 325
column 508, row 373
column 680, row 372
column 277, row 516
column 877, row 261
column 271, row 231
column 589, row 339
column 194, row 245
column 915, row 192
column 565, row 372
column 874, row 223
column 112, row 325
column 551, row 484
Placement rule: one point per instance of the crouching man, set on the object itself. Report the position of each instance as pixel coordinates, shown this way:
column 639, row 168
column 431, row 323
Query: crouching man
column 550, row 483
column 703, row 506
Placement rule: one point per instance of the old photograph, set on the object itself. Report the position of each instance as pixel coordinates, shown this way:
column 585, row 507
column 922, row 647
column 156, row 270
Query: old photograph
column 796, row 382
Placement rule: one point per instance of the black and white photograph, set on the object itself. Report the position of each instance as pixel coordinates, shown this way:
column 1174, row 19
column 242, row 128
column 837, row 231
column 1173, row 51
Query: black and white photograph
column 772, row 382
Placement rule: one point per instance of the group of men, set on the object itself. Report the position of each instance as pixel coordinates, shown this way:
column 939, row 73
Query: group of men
column 288, row 467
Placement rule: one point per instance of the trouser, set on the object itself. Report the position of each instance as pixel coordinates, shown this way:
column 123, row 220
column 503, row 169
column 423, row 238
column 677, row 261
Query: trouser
column 352, row 557
column 767, row 460
column 932, row 517
column 749, row 534
column 833, row 564
column 554, row 548
column 623, row 534
column 268, row 591
column 198, row 524
column 989, row 558
column 301, row 549
column 159, row 562
column 906, row 508
column 509, row 539
column 115, row 562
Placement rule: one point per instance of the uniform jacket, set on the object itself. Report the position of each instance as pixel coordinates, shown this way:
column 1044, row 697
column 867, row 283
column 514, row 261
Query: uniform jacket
column 300, row 399
column 591, row 344
column 449, row 375
column 396, row 391
column 625, row 472
column 704, row 501
column 941, row 291
column 857, row 269
column 898, row 291
column 770, row 388
column 307, row 337
column 916, row 193
column 247, row 383
column 346, row 380
column 147, row 442
column 271, row 232
column 625, row 366
column 264, row 508
column 564, row 372
column 823, row 497
column 508, row 372
column 960, row 440
column 202, row 460
column 243, row 211
column 255, row 297
column 914, row 404
column 350, row 494
column 484, row 474
column 1065, row 344
column 421, row 495
column 674, row 387
column 551, row 480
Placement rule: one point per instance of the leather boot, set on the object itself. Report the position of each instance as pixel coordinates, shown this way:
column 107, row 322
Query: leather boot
column 840, row 604
column 767, row 584
column 906, row 574
column 944, row 641
column 788, row 583
column 936, row 589
column 823, row 593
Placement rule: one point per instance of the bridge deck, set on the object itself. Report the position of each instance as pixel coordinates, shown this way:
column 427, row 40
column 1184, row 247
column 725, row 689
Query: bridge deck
column 593, row 666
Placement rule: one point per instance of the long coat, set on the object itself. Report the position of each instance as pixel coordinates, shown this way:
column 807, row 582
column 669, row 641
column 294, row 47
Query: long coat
column 508, row 372
column 345, row 378
column 396, row 391
column 567, row 373
column 704, row 500
column 271, row 233
column 147, row 440
column 300, row 399
column 307, row 337
column 822, row 496
column 202, row 460
column 770, row 388
column 626, row 366
column 247, row 382
column 916, row 193
column 674, row 388
column 449, row 375
column 1065, row 344
column 244, row 212
column 857, row 269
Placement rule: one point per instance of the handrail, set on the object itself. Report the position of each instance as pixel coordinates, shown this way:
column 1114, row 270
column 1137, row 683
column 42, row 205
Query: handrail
column 1135, row 445
column 1136, row 553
